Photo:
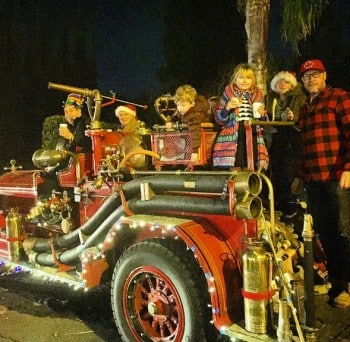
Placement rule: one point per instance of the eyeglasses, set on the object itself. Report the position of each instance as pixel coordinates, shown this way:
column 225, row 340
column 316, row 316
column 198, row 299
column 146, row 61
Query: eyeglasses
column 315, row 74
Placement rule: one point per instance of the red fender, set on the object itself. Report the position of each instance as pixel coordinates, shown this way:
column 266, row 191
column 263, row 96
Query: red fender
column 217, row 253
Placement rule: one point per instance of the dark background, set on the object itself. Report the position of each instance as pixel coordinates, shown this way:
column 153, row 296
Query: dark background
column 138, row 49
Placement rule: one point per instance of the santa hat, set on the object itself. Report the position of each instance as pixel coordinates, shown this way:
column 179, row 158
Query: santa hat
column 128, row 108
column 75, row 100
column 288, row 76
column 312, row 64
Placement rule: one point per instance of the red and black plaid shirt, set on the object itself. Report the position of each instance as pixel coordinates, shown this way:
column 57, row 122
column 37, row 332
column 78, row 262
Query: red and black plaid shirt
column 325, row 135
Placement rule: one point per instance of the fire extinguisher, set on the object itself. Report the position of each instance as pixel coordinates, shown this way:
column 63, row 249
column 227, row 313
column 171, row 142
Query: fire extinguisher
column 257, row 292
column 13, row 232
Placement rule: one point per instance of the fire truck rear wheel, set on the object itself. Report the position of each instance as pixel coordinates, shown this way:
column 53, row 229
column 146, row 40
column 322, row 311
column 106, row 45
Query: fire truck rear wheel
column 158, row 293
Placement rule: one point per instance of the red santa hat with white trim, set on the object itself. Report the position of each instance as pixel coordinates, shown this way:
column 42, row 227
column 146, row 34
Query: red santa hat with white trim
column 128, row 108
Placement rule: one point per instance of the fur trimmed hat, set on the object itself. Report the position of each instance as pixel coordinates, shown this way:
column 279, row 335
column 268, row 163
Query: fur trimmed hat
column 75, row 100
column 288, row 76
column 128, row 108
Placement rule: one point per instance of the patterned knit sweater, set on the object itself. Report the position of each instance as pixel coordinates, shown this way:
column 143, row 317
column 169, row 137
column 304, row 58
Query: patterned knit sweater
column 231, row 140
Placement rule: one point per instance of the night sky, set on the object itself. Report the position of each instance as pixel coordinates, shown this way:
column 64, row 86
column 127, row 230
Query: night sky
column 130, row 47
column 128, row 36
column 128, row 27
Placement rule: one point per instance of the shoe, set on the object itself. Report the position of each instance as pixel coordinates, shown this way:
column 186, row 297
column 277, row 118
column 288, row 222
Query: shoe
column 342, row 300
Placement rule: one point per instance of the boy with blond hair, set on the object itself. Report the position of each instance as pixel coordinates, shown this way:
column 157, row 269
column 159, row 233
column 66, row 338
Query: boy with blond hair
column 192, row 110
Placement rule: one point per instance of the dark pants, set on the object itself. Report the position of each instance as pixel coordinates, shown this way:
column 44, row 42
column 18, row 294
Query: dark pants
column 284, row 155
column 329, row 206
column 241, row 155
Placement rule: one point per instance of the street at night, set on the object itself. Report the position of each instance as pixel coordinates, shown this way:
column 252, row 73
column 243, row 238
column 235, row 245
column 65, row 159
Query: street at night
column 33, row 311
column 174, row 171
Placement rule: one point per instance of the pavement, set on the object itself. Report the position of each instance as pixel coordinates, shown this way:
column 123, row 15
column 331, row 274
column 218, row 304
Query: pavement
column 30, row 312
column 334, row 322
column 19, row 327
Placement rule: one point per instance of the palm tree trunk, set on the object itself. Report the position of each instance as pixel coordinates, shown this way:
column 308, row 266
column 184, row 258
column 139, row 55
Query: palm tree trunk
column 256, row 25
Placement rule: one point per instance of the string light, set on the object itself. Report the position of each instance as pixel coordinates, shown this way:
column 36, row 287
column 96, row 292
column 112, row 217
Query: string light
column 14, row 268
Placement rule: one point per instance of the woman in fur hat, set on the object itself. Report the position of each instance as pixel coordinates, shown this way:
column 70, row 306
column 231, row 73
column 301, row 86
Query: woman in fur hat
column 283, row 103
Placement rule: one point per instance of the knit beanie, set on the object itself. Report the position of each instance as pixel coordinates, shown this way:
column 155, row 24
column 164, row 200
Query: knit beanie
column 128, row 108
column 284, row 75
column 75, row 100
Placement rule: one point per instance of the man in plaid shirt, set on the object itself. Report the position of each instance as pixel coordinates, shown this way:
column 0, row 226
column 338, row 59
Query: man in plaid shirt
column 324, row 121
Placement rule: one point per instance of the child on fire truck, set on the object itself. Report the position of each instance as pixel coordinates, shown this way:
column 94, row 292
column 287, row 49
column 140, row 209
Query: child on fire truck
column 238, row 145
column 192, row 110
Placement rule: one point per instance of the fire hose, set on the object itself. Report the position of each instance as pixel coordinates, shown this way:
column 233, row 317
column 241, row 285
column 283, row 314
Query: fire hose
column 193, row 183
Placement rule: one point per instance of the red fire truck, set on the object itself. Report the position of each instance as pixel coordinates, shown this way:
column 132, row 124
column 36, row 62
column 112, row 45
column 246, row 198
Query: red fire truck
column 190, row 253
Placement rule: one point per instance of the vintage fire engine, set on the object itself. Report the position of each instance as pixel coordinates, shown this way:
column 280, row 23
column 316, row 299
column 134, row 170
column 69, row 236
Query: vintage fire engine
column 191, row 254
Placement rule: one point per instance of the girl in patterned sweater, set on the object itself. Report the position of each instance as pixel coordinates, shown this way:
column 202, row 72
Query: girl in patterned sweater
column 240, row 145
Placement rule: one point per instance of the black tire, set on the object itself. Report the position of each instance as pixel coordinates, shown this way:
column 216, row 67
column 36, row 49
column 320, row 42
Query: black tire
column 158, row 293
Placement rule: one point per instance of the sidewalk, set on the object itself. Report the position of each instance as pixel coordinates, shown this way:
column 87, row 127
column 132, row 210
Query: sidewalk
column 52, row 313
column 336, row 321
column 20, row 327
column 31, row 313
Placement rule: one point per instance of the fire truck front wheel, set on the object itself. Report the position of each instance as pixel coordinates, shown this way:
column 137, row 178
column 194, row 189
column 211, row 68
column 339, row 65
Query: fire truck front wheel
column 159, row 293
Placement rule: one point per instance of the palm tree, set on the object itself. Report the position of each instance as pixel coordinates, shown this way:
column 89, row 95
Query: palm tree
column 298, row 20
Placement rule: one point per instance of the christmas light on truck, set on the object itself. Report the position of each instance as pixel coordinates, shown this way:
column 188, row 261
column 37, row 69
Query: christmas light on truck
column 190, row 253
